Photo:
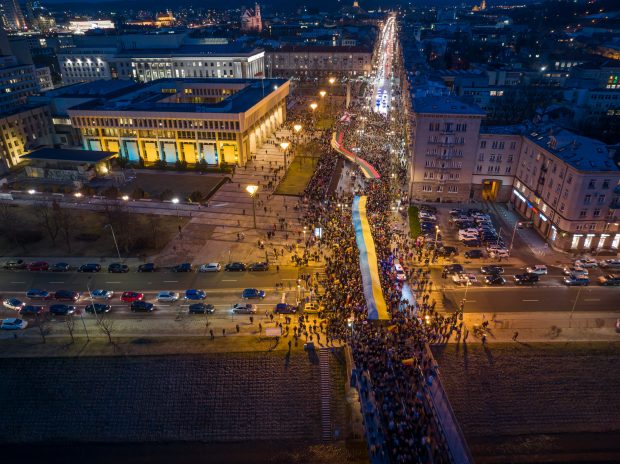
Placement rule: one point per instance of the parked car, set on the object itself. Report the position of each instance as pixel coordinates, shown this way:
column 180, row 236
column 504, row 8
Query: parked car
column 194, row 294
column 167, row 296
column 118, row 268
column 586, row 263
column 464, row 279
column 13, row 323
column 60, row 267
column 283, row 308
column 210, row 267
column 244, row 308
column 201, row 308
column 183, row 267
column 453, row 269
column 526, row 279
column 101, row 294
column 575, row 280
column 610, row 264
column 473, row 254
column 235, row 267
column 494, row 279
column 66, row 295
column 609, row 280
column 91, row 267
column 38, row 266
column 131, row 297
column 471, row 243
column 258, row 267
column 97, row 308
column 142, row 306
column 539, row 269
column 400, row 272
column 13, row 303
column 15, row 264
column 60, row 309
column 38, row 294
column 492, row 269
column 147, row 267
column 32, row 310
column 568, row 270
column 252, row 293
column 499, row 253
column 448, row 251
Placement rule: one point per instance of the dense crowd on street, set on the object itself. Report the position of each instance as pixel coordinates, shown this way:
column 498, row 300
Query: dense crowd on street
column 391, row 354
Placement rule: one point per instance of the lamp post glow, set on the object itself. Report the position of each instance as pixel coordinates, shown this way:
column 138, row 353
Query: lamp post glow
column 77, row 195
column 322, row 93
column 176, row 202
column 284, row 146
column 125, row 197
column 32, row 191
column 252, row 189
column 114, row 238
column 297, row 128
column 313, row 106
column 436, row 235
column 332, row 80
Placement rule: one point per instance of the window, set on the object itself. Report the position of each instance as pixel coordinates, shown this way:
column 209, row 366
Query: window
column 582, row 213
column 569, row 179
column 587, row 200
column 483, row 144
column 596, row 213
column 606, row 184
column 509, row 159
column 492, row 158
column 575, row 243
column 440, row 188
column 453, row 189
column 427, row 188
column 592, row 184
column 615, row 242
column 481, row 157
column 601, row 199
column 513, row 145
column 507, row 170
column 479, row 168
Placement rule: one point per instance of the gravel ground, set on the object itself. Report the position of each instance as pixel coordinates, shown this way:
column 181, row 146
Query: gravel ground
column 219, row 397
column 536, row 402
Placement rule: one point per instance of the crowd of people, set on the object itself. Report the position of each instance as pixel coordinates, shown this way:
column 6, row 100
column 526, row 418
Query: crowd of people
column 391, row 354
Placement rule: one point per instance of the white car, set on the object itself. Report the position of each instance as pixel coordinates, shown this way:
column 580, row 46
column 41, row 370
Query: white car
column 13, row 324
column 170, row 297
column 244, row 308
column 210, row 267
column 586, row 262
column 539, row 269
column 465, row 279
column 610, row 264
column 576, row 270
column 13, row 303
column 400, row 272
column 101, row 294
column 499, row 253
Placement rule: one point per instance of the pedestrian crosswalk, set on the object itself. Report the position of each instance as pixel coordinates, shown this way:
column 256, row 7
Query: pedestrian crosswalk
column 326, row 387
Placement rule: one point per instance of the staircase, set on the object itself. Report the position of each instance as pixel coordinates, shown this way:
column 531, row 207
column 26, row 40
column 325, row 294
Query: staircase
column 326, row 394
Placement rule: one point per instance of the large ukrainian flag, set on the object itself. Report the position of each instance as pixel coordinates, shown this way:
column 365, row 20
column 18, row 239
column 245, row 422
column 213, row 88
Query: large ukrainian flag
column 375, row 302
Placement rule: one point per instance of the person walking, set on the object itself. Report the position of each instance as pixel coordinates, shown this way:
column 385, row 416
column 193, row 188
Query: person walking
column 515, row 336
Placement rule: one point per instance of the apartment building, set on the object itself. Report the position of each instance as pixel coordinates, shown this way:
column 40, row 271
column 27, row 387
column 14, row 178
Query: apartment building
column 315, row 61
column 17, row 82
column 568, row 186
column 445, row 140
column 21, row 130
column 213, row 121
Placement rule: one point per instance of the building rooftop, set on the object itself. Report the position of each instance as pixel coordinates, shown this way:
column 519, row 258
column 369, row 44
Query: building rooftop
column 582, row 153
column 159, row 95
column 67, row 155
column 445, row 105
column 100, row 88
column 194, row 50
column 516, row 129
column 323, row 49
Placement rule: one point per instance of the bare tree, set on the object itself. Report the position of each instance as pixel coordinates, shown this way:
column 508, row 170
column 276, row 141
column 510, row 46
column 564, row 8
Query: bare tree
column 43, row 325
column 8, row 221
column 47, row 218
column 106, row 325
column 66, row 223
column 70, row 323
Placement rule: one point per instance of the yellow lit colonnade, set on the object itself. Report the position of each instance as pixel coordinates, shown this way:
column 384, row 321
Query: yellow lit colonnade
column 212, row 121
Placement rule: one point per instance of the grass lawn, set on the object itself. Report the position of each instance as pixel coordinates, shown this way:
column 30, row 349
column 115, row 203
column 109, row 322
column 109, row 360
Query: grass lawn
column 297, row 176
column 414, row 222
column 136, row 233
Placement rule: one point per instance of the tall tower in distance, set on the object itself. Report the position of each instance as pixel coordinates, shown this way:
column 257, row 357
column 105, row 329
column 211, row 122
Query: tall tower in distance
column 356, row 4
column 251, row 19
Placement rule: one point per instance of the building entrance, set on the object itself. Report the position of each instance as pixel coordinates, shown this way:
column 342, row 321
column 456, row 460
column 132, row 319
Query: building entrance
column 490, row 188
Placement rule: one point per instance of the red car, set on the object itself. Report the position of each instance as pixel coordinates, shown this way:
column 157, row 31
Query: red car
column 130, row 297
column 38, row 266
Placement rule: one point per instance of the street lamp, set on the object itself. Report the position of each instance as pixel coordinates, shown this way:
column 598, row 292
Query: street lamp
column 514, row 232
column 297, row 128
column 252, row 189
column 114, row 238
column 313, row 106
column 284, row 146
column 176, row 202
column 322, row 93
column 125, row 197
column 436, row 235
column 332, row 80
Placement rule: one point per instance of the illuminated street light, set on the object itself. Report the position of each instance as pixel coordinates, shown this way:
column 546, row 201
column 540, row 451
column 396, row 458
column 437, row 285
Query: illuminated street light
column 125, row 197
column 314, row 106
column 322, row 93
column 77, row 195
column 32, row 191
column 297, row 127
column 252, row 189
column 176, row 202
column 332, row 80
column 284, row 146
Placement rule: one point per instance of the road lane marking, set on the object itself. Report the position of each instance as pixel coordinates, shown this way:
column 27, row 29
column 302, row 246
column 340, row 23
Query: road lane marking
column 591, row 299
column 170, row 281
column 55, row 282
column 229, row 280
column 112, row 282
column 18, row 282
column 530, row 300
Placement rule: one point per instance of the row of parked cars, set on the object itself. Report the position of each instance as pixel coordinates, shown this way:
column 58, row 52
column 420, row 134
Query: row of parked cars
column 135, row 300
column 476, row 229
column 122, row 268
